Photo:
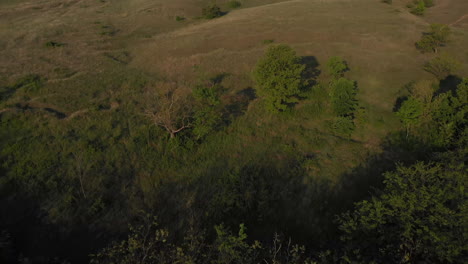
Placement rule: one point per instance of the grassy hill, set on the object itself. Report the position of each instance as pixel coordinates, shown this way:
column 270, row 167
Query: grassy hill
column 91, row 67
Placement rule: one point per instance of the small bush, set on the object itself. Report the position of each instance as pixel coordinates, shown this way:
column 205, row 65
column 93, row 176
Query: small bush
column 179, row 18
column 343, row 126
column 419, row 8
column 268, row 41
column 211, row 12
column 337, row 67
column 53, row 44
column 234, row 4
column 387, row 1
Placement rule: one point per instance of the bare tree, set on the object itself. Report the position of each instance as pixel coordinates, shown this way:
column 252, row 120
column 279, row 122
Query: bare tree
column 171, row 109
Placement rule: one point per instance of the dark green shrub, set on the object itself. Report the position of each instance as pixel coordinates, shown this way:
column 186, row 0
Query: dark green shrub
column 211, row 12
column 343, row 126
column 337, row 67
column 53, row 44
column 343, row 96
column 419, row 8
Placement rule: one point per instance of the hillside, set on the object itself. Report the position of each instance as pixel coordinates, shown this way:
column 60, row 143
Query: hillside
column 84, row 153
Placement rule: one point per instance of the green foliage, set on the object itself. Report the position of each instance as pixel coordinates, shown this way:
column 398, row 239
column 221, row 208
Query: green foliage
column 53, row 44
column 418, row 8
column 409, row 112
column 208, row 113
column 387, row 1
column 279, row 77
column 442, row 66
column 337, row 67
column 343, row 125
column 232, row 249
column 234, row 4
column 180, row 18
column 212, row 11
column 421, row 215
column 438, row 36
column 146, row 244
column 343, row 96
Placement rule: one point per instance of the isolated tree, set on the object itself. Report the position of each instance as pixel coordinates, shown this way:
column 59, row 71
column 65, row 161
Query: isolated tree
column 437, row 37
column 171, row 109
column 279, row 77
column 343, row 96
column 419, row 217
column 337, row 67
column 442, row 66
column 409, row 113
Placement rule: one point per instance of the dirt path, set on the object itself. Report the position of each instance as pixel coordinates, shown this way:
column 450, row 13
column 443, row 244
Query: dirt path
column 459, row 20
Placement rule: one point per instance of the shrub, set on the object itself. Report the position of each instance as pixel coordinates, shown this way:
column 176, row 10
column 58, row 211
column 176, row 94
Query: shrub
column 268, row 41
column 179, row 18
column 337, row 67
column 441, row 66
column 234, row 4
column 419, row 8
column 343, row 126
column 437, row 37
column 387, row 1
column 53, row 44
column 343, row 96
column 211, row 12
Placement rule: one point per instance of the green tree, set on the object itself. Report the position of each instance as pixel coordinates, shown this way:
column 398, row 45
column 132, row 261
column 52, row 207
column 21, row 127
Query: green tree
column 343, row 96
column 437, row 37
column 279, row 77
column 419, row 217
column 442, row 66
column 409, row 113
column 337, row 67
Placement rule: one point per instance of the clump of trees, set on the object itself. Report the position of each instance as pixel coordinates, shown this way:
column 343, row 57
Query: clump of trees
column 279, row 76
column 420, row 216
column 438, row 36
column 437, row 119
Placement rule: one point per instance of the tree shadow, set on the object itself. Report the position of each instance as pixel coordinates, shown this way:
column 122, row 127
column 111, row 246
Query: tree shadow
column 238, row 104
column 448, row 84
column 311, row 71
column 398, row 102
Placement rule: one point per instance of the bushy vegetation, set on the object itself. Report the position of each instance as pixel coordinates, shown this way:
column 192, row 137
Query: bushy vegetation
column 279, row 163
column 438, row 36
column 211, row 11
column 442, row 66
